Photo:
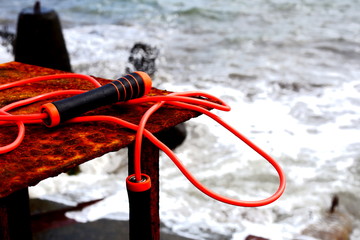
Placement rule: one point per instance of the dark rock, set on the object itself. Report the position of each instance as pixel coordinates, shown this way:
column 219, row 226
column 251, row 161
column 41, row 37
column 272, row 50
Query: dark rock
column 333, row 225
column 173, row 137
column 7, row 38
column 142, row 57
column 252, row 237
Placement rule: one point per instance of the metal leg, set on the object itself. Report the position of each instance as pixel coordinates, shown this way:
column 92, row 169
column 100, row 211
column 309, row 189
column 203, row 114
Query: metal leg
column 144, row 207
column 15, row 216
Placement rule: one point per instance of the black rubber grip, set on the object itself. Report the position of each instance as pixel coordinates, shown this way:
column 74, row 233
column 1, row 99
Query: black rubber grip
column 125, row 88
column 140, row 223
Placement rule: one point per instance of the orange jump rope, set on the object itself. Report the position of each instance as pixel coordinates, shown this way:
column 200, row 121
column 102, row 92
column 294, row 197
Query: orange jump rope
column 132, row 89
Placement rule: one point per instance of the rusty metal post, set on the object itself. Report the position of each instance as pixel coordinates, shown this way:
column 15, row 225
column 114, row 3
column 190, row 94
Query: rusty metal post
column 15, row 216
column 144, row 210
column 39, row 39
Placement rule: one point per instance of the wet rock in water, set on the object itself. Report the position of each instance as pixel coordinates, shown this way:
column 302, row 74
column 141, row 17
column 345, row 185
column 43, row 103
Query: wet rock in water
column 142, row 57
column 252, row 237
column 334, row 225
column 7, row 38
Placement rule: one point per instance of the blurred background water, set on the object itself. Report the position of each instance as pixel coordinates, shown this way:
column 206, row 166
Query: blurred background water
column 289, row 70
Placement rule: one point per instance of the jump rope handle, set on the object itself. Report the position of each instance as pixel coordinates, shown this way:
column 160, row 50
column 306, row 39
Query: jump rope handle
column 139, row 205
column 133, row 85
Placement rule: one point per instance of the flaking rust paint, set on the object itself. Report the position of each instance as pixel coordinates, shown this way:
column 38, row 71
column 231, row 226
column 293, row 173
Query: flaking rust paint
column 48, row 152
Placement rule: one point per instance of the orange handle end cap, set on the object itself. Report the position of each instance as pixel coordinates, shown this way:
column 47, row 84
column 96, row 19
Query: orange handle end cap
column 54, row 116
column 143, row 185
column 147, row 81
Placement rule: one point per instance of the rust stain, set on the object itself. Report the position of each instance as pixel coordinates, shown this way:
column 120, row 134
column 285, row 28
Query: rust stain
column 48, row 152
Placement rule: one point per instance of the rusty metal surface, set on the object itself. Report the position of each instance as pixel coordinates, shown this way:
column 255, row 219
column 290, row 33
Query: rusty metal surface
column 48, row 152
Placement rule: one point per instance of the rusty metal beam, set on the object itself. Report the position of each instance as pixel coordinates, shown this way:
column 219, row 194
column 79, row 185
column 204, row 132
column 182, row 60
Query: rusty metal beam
column 47, row 152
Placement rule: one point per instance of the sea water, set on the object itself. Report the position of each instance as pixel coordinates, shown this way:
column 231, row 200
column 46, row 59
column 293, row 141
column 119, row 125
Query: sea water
column 290, row 70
